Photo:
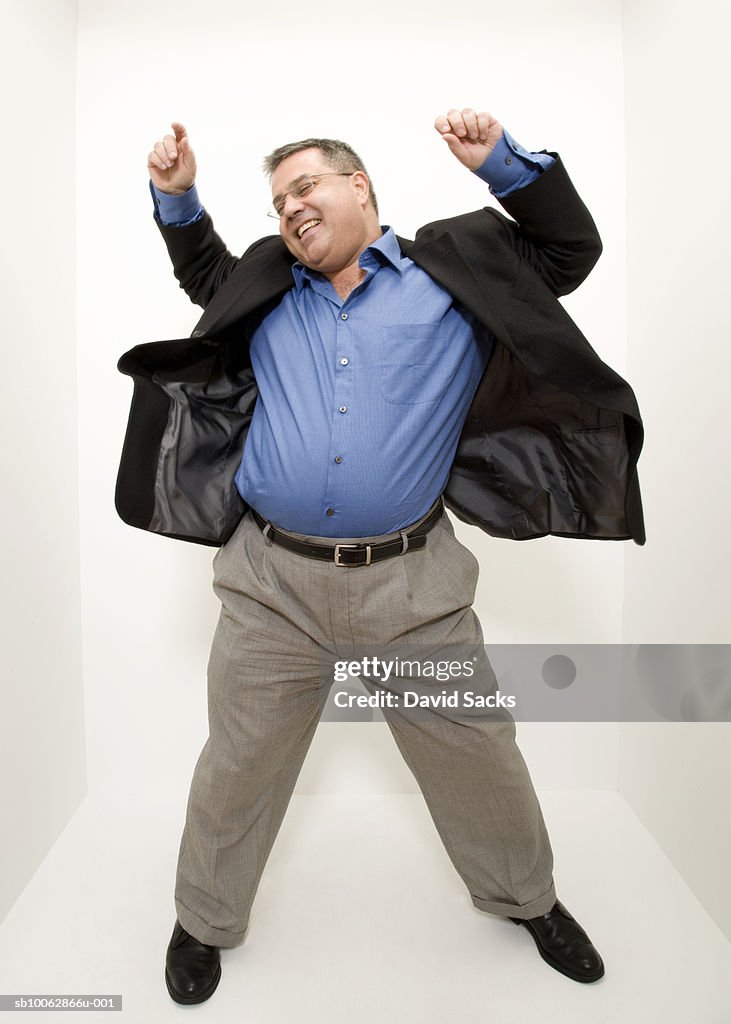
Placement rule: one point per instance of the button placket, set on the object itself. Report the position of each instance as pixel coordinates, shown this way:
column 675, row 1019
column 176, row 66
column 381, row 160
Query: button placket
column 343, row 397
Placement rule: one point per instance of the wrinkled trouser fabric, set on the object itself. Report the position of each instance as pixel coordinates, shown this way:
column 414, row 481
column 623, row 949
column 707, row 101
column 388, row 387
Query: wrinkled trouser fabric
column 285, row 619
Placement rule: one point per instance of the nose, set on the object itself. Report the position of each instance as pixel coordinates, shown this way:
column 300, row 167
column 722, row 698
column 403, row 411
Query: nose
column 292, row 206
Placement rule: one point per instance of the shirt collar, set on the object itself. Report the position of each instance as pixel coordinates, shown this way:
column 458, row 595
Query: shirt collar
column 384, row 251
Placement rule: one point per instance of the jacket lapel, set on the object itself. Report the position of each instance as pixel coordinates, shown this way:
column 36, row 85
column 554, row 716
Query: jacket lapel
column 260, row 277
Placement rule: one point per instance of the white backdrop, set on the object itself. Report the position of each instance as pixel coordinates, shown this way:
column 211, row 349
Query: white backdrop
column 677, row 777
column 554, row 72
column 42, row 717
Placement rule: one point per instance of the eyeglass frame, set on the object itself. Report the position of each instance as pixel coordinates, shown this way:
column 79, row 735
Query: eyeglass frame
column 298, row 194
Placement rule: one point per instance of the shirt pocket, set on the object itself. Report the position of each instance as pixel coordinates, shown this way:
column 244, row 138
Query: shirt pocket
column 411, row 363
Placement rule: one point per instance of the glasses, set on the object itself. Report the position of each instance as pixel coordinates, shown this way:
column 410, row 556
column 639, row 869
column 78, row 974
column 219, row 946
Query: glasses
column 301, row 190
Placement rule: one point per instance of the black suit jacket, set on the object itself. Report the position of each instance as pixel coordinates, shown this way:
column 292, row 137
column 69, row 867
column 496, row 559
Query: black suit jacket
column 551, row 440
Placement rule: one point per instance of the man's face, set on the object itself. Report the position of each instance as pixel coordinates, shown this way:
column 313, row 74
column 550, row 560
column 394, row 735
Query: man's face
column 329, row 228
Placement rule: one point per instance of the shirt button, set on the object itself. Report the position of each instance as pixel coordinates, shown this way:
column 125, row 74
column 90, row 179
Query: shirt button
column 343, row 408
column 508, row 159
column 338, row 459
column 343, row 316
column 344, row 362
column 331, row 512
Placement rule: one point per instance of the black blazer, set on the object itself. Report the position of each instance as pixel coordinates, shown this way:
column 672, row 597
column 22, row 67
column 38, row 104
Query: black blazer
column 551, row 440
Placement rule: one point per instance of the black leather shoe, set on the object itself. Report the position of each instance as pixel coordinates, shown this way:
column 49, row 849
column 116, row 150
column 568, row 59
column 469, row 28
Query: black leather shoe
column 192, row 969
column 564, row 944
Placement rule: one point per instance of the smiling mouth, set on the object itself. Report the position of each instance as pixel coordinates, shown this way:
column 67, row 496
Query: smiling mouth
column 306, row 227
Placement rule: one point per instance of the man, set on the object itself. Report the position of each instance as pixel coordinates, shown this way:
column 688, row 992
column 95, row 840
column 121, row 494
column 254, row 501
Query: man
column 343, row 379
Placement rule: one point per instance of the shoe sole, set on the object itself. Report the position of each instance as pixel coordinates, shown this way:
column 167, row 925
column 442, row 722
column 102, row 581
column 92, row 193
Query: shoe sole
column 178, row 997
column 585, row 978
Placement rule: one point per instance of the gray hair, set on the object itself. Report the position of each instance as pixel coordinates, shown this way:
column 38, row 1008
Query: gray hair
column 339, row 155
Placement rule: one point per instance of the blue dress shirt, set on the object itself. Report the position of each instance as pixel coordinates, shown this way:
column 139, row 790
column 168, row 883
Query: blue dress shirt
column 361, row 401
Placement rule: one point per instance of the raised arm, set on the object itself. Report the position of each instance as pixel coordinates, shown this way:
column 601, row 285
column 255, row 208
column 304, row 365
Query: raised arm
column 552, row 229
column 201, row 261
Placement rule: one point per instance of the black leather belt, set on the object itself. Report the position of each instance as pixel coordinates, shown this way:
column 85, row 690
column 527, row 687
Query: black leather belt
column 355, row 554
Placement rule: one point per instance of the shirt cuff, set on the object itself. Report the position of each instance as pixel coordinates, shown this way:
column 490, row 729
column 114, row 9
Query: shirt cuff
column 177, row 211
column 510, row 167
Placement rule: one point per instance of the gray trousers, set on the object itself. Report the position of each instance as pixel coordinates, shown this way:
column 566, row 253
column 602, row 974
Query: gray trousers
column 285, row 619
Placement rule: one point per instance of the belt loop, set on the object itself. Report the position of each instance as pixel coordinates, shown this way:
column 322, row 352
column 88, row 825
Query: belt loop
column 265, row 531
column 404, row 542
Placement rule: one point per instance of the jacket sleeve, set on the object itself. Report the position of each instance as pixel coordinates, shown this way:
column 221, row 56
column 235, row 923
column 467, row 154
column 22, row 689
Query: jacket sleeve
column 201, row 261
column 552, row 229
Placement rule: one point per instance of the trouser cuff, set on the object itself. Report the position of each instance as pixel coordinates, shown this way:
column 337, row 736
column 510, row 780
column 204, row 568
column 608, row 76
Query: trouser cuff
column 205, row 932
column 524, row 911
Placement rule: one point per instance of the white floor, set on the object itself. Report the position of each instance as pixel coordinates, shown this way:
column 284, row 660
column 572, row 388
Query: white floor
column 360, row 918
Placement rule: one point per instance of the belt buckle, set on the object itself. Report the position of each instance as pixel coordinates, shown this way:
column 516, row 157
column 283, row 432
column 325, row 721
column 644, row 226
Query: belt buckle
column 352, row 546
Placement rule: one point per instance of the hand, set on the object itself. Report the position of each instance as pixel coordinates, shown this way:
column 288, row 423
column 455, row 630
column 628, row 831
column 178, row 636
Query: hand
column 470, row 136
column 171, row 163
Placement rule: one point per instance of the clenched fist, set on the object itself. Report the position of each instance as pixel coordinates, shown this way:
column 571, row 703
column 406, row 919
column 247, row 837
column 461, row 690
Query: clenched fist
column 470, row 136
column 171, row 162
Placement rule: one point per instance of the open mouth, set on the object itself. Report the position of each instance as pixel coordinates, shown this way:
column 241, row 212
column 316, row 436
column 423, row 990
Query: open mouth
column 306, row 227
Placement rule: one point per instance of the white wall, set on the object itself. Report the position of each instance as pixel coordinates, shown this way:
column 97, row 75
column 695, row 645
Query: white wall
column 42, row 757
column 244, row 82
column 678, row 777
column 245, row 79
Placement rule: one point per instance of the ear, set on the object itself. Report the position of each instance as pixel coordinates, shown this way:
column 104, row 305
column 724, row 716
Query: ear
column 362, row 185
